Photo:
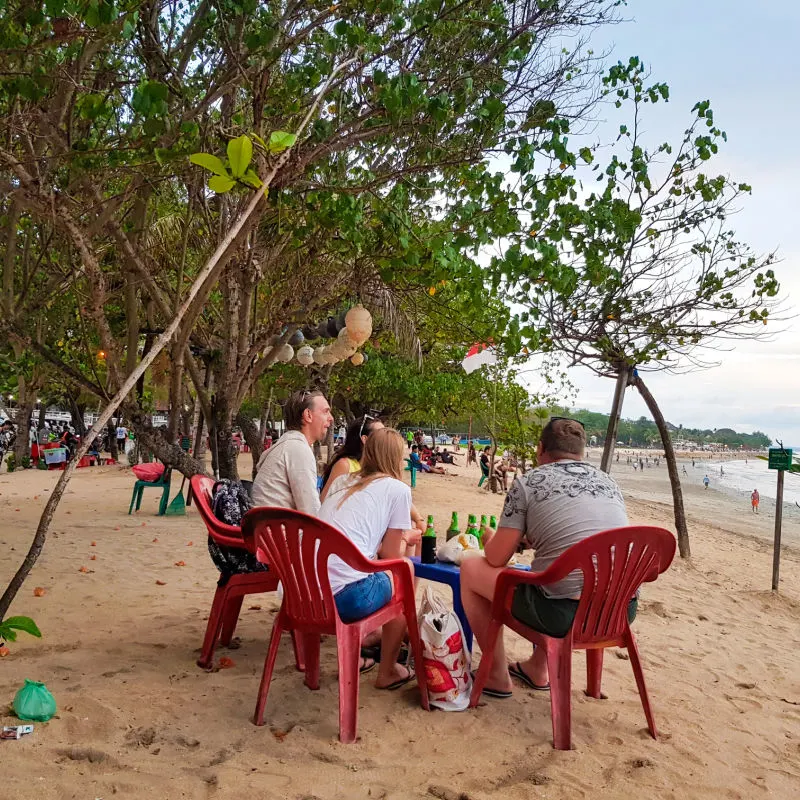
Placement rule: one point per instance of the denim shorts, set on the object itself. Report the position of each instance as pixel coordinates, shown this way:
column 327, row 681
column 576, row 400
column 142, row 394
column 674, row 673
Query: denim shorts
column 362, row 598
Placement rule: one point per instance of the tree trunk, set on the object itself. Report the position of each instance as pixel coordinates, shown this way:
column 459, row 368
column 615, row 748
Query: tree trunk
column 672, row 467
column 168, row 452
column 76, row 412
column 22, row 444
column 252, row 437
column 623, row 377
column 111, row 440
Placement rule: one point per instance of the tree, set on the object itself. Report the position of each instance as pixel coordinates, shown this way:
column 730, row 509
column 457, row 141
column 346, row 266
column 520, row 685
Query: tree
column 655, row 277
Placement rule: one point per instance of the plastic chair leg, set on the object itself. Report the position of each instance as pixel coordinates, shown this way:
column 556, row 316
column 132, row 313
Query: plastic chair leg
column 162, row 506
column 266, row 675
column 594, row 672
column 299, row 657
column 230, row 617
column 213, row 627
column 410, row 613
column 559, row 667
column 133, row 500
column 311, row 642
column 413, row 478
column 349, row 654
column 139, row 497
column 633, row 653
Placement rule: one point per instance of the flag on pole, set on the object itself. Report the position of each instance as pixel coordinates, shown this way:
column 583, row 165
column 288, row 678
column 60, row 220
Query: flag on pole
column 478, row 355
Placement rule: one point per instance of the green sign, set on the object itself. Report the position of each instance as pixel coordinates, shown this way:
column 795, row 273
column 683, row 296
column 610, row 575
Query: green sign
column 780, row 458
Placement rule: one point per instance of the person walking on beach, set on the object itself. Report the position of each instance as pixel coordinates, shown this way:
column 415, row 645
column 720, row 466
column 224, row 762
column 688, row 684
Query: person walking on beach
column 706, row 481
column 287, row 472
column 552, row 507
column 755, row 499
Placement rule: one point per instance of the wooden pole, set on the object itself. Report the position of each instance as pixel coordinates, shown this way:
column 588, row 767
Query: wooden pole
column 776, row 548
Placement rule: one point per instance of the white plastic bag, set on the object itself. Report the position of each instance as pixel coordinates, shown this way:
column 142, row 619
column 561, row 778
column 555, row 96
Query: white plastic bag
column 453, row 550
column 446, row 660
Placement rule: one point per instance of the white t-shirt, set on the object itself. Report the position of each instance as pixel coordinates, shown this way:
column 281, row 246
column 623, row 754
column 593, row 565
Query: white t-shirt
column 364, row 517
column 122, row 432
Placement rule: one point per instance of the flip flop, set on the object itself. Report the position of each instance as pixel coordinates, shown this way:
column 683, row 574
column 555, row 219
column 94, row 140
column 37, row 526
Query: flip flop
column 401, row 682
column 369, row 664
column 516, row 671
column 498, row 694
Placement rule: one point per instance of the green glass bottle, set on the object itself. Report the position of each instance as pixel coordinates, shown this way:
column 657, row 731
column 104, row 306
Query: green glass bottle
column 493, row 522
column 472, row 527
column 453, row 530
column 484, row 523
column 429, row 543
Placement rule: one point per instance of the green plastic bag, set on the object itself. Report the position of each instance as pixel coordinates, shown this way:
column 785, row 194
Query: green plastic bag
column 34, row 702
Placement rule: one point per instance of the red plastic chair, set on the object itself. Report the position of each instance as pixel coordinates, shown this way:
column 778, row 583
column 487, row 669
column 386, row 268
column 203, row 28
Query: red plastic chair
column 231, row 590
column 614, row 564
column 298, row 546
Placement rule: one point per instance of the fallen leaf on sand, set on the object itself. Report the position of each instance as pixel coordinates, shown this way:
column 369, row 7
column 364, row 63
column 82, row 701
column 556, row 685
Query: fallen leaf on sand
column 16, row 509
column 94, row 544
column 4, row 651
column 254, row 608
column 83, row 569
column 226, row 663
column 92, row 558
column 36, row 497
column 155, row 540
column 161, row 583
column 144, row 524
column 189, row 544
column 117, row 528
column 180, row 563
column 39, row 592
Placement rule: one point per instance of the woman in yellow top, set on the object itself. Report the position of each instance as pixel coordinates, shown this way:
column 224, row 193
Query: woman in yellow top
column 348, row 458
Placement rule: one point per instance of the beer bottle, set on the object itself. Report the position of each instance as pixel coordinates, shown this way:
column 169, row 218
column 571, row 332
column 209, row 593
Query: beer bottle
column 493, row 522
column 472, row 527
column 453, row 529
column 483, row 521
column 429, row 543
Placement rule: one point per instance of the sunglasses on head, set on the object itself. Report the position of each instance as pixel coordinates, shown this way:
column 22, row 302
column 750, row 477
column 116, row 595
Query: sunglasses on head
column 569, row 419
column 363, row 423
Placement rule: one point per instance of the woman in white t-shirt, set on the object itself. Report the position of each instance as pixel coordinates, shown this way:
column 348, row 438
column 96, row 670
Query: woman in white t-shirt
column 373, row 509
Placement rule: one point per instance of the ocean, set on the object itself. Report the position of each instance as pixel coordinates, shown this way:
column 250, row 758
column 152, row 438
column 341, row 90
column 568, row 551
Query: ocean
column 741, row 477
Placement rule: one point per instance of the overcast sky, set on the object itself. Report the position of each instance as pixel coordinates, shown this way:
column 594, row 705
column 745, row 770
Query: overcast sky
column 745, row 58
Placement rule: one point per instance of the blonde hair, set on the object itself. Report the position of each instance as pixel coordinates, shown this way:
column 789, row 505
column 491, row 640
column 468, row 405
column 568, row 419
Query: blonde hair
column 383, row 455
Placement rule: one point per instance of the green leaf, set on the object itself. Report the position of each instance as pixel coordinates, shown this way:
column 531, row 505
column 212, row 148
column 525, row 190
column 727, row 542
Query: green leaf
column 25, row 624
column 240, row 153
column 209, row 162
column 280, row 140
column 587, row 155
column 251, row 179
column 221, row 184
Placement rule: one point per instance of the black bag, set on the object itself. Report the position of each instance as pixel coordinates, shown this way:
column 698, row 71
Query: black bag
column 229, row 503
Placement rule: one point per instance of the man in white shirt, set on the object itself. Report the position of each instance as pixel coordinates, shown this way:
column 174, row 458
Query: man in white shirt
column 287, row 472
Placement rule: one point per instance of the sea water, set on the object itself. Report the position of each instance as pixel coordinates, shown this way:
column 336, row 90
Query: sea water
column 741, row 477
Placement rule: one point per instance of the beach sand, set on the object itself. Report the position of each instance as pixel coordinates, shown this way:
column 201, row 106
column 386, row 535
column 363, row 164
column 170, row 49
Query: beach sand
column 137, row 719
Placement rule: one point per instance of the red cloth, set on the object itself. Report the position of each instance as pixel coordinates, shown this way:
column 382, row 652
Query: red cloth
column 148, row 472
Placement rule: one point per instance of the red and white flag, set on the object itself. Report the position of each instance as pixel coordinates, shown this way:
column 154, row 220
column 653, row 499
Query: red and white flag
column 478, row 355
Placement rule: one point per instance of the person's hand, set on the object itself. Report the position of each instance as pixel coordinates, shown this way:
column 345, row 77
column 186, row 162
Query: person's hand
column 413, row 536
column 486, row 534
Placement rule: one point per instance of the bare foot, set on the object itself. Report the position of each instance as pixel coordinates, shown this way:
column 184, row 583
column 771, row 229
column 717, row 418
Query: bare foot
column 393, row 678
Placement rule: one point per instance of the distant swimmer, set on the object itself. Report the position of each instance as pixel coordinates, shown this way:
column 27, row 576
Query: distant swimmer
column 754, row 500
column 721, row 471
column 706, row 481
column 684, row 470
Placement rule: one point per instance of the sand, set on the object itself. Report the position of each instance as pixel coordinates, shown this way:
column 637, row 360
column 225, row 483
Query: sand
column 138, row 719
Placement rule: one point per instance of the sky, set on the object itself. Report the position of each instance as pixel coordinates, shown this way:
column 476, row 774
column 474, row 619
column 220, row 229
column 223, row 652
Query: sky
column 745, row 58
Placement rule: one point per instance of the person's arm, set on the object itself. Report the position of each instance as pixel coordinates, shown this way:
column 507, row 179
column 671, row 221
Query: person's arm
column 301, row 469
column 341, row 467
column 417, row 518
column 500, row 545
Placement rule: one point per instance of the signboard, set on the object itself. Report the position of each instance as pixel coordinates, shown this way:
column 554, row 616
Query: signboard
column 780, row 458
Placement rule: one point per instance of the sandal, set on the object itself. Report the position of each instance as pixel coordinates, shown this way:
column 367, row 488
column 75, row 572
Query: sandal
column 367, row 664
column 400, row 681
column 516, row 671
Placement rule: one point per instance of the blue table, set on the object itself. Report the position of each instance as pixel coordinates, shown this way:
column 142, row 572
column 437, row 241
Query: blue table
column 440, row 572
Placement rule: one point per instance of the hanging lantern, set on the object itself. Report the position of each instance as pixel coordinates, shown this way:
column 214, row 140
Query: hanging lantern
column 331, row 356
column 285, row 353
column 309, row 331
column 357, row 359
column 305, row 355
column 365, row 358
column 296, row 339
column 332, row 327
column 359, row 324
column 319, row 355
column 273, row 340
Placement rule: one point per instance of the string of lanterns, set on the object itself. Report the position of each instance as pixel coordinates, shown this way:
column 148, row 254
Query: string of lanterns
column 350, row 331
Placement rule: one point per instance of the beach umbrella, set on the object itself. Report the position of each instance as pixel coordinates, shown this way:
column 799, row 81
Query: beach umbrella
column 359, row 324
column 305, row 355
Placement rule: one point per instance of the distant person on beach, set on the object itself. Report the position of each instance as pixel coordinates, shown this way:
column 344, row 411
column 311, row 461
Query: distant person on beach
column 287, row 472
column 684, row 470
column 755, row 499
column 706, row 481
column 552, row 507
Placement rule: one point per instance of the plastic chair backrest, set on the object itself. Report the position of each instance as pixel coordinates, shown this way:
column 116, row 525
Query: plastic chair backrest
column 297, row 547
column 221, row 533
column 614, row 563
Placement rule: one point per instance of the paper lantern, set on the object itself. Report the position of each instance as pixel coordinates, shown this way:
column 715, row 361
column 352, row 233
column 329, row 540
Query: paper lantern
column 305, row 355
column 319, row 355
column 357, row 359
column 296, row 339
column 285, row 353
column 332, row 327
column 331, row 356
column 309, row 331
column 359, row 324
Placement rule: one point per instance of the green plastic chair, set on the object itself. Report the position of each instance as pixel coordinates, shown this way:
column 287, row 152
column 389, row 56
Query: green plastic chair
column 162, row 483
column 413, row 470
column 484, row 476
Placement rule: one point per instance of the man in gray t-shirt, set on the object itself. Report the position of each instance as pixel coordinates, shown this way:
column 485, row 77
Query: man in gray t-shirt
column 559, row 503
